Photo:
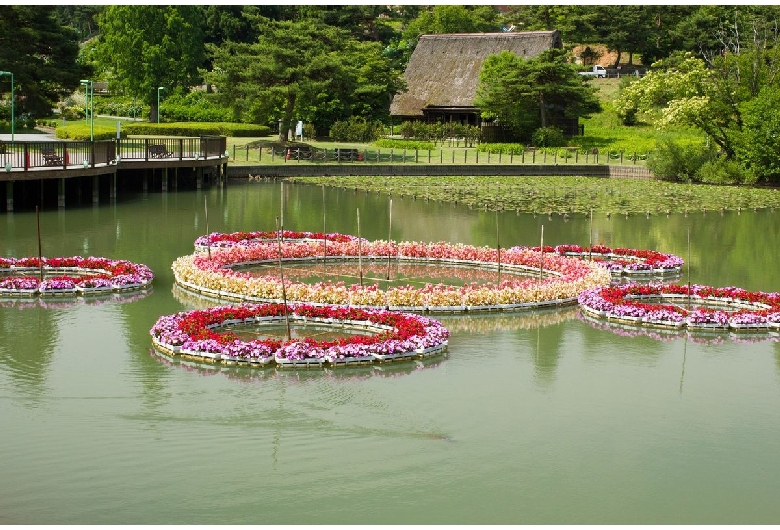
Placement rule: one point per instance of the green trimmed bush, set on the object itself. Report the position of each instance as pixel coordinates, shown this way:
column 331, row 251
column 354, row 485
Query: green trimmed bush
column 81, row 132
column 410, row 145
column 505, row 149
column 197, row 128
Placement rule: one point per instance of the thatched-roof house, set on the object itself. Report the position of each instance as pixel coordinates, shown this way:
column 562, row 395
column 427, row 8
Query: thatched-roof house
column 443, row 72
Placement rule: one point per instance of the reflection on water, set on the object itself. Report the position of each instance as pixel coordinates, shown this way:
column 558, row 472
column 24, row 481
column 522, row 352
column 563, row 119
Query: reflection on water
column 298, row 375
column 668, row 335
column 537, row 417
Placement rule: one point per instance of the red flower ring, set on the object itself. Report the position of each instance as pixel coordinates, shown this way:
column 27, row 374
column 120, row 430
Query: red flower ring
column 395, row 335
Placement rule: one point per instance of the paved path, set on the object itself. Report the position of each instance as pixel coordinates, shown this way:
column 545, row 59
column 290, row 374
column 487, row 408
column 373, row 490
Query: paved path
column 40, row 137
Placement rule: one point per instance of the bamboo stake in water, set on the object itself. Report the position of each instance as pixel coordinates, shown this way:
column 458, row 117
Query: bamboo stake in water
column 590, row 243
column 360, row 252
column 206, row 209
column 689, row 268
column 281, row 209
column 40, row 251
column 281, row 276
column 541, row 254
column 498, row 249
column 389, row 239
column 325, row 239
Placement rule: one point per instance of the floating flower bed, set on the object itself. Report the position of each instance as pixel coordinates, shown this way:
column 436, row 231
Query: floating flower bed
column 678, row 306
column 394, row 335
column 563, row 280
column 623, row 261
column 73, row 276
column 224, row 240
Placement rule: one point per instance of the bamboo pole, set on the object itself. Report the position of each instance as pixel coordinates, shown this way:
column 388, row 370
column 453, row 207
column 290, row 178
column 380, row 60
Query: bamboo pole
column 325, row 239
column 206, row 209
column 281, row 206
column 541, row 254
column 40, row 251
column 389, row 238
column 498, row 248
column 689, row 268
column 360, row 251
column 281, row 276
column 590, row 243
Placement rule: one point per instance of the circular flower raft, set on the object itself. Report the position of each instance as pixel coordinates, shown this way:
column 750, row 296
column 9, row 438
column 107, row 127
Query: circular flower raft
column 71, row 276
column 630, row 262
column 394, row 336
column 227, row 240
column 697, row 307
column 551, row 280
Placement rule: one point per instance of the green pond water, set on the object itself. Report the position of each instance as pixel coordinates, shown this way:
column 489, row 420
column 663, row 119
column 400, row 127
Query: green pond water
column 536, row 417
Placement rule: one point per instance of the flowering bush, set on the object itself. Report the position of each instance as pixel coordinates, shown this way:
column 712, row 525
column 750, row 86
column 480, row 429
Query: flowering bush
column 564, row 277
column 72, row 275
column 196, row 333
column 743, row 309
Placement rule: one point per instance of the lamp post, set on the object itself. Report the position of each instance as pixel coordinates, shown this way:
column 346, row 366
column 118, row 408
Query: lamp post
column 158, row 102
column 90, row 88
column 12, row 103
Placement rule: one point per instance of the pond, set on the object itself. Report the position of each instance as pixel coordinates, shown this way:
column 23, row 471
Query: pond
column 536, row 417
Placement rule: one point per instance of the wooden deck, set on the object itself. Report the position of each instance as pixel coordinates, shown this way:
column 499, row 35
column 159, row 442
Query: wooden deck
column 47, row 160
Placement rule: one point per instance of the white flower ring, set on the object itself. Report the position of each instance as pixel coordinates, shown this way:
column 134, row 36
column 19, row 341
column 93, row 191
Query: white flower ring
column 699, row 307
column 71, row 276
column 394, row 336
column 563, row 278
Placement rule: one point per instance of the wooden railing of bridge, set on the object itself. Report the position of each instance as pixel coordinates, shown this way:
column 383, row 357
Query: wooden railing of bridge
column 26, row 156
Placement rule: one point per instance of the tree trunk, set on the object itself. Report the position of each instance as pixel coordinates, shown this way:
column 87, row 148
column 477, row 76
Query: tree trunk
column 542, row 110
column 617, row 59
column 284, row 128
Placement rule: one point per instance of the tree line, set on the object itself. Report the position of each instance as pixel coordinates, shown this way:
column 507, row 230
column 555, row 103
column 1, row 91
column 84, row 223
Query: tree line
column 274, row 64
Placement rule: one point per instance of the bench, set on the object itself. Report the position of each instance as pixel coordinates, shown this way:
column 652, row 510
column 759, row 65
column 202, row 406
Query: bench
column 159, row 151
column 51, row 158
column 347, row 154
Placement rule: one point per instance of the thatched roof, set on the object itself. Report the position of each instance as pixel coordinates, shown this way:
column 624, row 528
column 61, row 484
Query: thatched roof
column 443, row 70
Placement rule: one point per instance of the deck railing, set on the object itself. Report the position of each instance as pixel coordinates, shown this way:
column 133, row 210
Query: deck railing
column 15, row 156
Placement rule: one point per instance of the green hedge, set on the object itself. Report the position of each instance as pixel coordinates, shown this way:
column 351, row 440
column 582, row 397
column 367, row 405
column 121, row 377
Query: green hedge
column 197, row 129
column 506, row 149
column 404, row 144
column 80, row 131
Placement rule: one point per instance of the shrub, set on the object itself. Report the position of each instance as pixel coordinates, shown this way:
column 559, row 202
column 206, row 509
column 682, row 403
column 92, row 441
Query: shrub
column 410, row 145
column 676, row 161
column 723, row 171
column 197, row 129
column 356, row 129
column 81, row 132
column 548, row 137
column 505, row 149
